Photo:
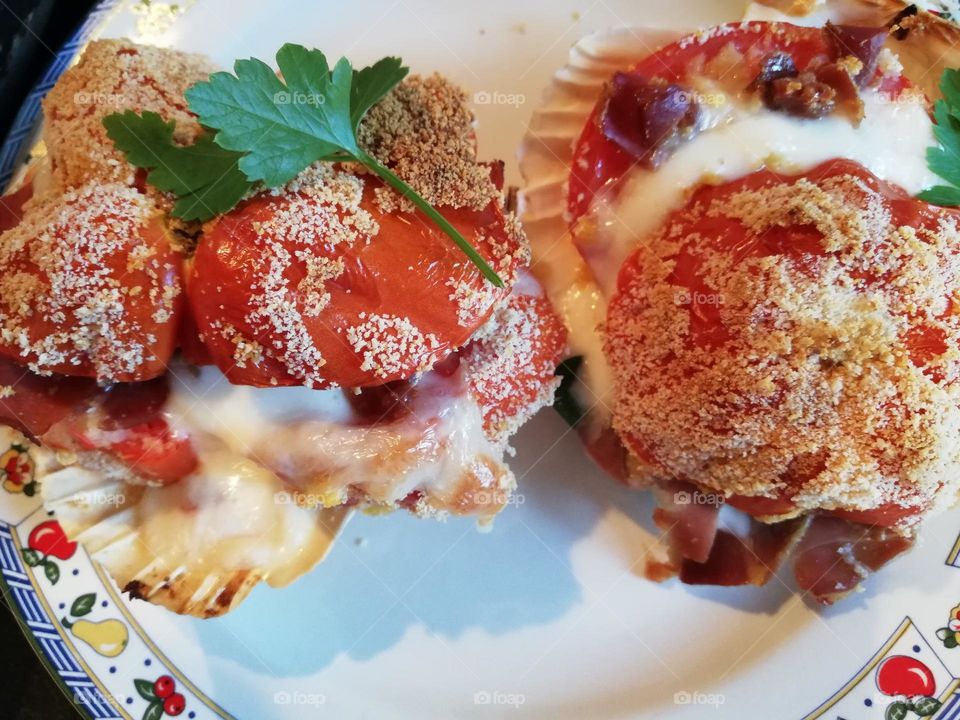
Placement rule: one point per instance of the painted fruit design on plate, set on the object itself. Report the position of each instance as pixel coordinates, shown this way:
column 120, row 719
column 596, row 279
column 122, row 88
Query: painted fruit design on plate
column 162, row 696
column 46, row 544
column 950, row 635
column 107, row 637
column 17, row 471
column 912, row 683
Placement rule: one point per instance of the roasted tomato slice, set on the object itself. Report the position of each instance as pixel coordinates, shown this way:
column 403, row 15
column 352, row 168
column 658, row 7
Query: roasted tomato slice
column 325, row 284
column 90, row 286
column 714, row 332
column 154, row 451
column 126, row 422
column 726, row 59
column 512, row 369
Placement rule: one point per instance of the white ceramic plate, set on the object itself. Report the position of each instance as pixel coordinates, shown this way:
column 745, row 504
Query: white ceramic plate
column 547, row 615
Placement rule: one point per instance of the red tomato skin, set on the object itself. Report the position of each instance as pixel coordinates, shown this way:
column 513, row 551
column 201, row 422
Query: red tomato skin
column 156, row 354
column 404, row 271
column 707, row 330
column 600, row 163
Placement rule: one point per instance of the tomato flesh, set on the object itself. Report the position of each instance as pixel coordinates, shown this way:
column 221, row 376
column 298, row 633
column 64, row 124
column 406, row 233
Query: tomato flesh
column 408, row 270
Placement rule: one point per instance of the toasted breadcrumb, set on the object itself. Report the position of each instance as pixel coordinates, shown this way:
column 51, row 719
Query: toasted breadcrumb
column 388, row 343
column 114, row 76
column 423, row 130
column 510, row 365
column 62, row 302
column 816, row 391
column 321, row 210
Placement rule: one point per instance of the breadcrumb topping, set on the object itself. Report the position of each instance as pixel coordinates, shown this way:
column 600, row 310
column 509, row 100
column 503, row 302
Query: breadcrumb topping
column 114, row 76
column 510, row 365
column 826, row 375
column 388, row 344
column 320, row 211
column 64, row 301
column 423, row 130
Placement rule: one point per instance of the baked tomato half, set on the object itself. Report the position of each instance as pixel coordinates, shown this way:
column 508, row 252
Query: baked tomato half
column 90, row 286
column 331, row 282
column 767, row 381
column 649, row 99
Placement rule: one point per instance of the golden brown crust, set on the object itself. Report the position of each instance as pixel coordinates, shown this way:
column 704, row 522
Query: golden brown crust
column 814, row 387
column 423, row 130
column 114, row 76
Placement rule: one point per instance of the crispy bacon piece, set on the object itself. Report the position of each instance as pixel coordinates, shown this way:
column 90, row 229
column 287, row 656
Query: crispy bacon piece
column 32, row 404
column 648, row 118
column 690, row 527
column 831, row 555
column 752, row 560
column 835, row 556
column 863, row 43
column 804, row 95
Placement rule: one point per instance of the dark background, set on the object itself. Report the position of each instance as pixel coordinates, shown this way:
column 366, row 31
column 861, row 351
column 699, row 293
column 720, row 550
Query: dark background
column 30, row 31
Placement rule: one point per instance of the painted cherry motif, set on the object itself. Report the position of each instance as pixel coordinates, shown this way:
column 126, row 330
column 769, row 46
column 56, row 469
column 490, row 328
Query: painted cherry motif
column 162, row 698
column 164, row 686
column 174, row 705
column 48, row 540
column 950, row 635
column 912, row 682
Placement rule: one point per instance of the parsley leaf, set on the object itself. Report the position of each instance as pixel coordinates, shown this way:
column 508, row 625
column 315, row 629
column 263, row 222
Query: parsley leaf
column 565, row 401
column 204, row 176
column 267, row 129
column 283, row 126
column 944, row 160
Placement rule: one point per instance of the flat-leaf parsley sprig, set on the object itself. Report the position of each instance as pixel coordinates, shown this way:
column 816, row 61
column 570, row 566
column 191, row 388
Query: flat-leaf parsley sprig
column 261, row 128
column 944, row 160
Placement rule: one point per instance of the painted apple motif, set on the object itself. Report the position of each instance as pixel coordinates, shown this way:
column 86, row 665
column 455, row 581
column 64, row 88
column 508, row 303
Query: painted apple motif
column 904, row 675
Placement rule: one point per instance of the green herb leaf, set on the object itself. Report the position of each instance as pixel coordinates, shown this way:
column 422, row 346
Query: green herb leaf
column 83, row 605
column 52, row 571
column 944, row 160
column 942, row 195
column 145, row 689
column 31, row 557
column 897, row 711
column 565, row 402
column 372, row 83
column 281, row 127
column 924, row 706
column 204, row 176
column 154, row 711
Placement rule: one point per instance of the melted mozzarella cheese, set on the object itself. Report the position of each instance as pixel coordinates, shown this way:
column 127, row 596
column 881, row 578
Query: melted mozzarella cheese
column 313, row 441
column 891, row 142
column 265, row 503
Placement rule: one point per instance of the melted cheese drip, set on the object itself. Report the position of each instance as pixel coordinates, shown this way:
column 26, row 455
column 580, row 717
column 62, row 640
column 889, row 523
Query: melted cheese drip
column 891, row 142
column 315, row 443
